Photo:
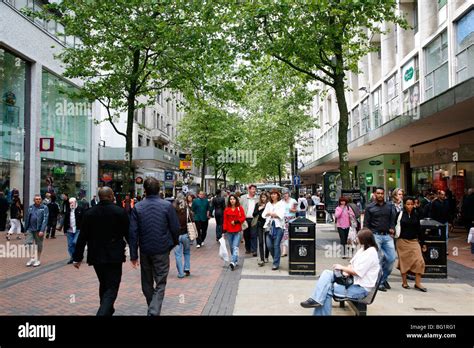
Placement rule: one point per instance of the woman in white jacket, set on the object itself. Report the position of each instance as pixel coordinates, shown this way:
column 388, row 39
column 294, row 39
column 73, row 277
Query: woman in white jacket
column 274, row 214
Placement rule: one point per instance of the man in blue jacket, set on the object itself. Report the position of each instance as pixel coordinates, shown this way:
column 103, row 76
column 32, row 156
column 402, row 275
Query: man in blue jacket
column 36, row 220
column 154, row 228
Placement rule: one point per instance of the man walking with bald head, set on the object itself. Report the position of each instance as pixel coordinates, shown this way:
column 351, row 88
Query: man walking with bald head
column 104, row 230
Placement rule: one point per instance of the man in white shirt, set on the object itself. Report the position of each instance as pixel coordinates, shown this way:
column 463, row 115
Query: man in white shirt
column 248, row 202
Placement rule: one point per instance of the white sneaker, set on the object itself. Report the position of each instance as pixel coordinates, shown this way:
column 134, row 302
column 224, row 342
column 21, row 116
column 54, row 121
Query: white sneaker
column 30, row 263
column 202, row 244
column 198, row 246
column 37, row 263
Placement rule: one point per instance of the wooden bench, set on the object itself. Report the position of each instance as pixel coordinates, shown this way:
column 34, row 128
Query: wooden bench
column 360, row 306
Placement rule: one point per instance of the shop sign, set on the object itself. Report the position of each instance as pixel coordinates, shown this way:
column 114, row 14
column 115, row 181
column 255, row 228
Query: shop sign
column 375, row 163
column 46, row 144
column 408, row 73
column 369, row 179
column 185, row 161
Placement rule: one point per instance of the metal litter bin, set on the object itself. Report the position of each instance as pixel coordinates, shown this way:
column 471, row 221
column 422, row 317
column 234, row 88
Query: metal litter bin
column 321, row 213
column 302, row 247
column 433, row 248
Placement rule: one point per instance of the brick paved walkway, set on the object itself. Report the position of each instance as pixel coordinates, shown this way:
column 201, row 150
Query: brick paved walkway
column 55, row 288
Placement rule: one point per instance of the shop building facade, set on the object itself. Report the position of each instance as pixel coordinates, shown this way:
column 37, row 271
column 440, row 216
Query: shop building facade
column 47, row 138
column 417, row 88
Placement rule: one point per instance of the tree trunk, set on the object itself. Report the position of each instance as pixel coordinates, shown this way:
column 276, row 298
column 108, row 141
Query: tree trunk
column 279, row 174
column 224, row 174
column 128, row 170
column 203, row 171
column 343, row 127
column 215, row 178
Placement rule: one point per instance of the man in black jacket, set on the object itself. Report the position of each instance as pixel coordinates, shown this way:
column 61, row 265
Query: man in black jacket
column 72, row 225
column 104, row 228
column 53, row 209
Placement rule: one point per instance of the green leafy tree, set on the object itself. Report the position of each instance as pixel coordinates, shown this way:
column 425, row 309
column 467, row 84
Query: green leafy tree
column 320, row 40
column 128, row 51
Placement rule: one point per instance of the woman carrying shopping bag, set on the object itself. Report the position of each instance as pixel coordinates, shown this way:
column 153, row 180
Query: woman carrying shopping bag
column 234, row 217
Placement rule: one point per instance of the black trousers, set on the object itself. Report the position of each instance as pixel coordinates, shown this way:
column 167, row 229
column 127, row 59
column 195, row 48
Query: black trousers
column 51, row 229
column 202, row 231
column 250, row 237
column 110, row 276
column 262, row 243
column 154, row 269
column 3, row 221
column 343, row 234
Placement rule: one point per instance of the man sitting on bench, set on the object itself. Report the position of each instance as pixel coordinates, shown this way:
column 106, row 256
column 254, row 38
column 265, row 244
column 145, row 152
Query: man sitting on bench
column 364, row 267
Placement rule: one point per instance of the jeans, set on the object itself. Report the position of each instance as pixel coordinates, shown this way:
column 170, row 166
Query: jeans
column 301, row 213
column 234, row 242
column 273, row 245
column 184, row 247
column 262, row 247
column 387, row 254
column 71, row 242
column 202, row 231
column 109, row 275
column 154, row 269
column 325, row 288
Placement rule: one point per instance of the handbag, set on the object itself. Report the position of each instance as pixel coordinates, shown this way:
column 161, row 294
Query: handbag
column 245, row 224
column 342, row 279
column 398, row 228
column 254, row 221
column 191, row 227
column 352, row 237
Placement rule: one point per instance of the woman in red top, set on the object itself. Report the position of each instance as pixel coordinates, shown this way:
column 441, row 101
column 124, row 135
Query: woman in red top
column 234, row 216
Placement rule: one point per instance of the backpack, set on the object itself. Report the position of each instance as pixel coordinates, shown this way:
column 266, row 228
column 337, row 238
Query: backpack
column 302, row 206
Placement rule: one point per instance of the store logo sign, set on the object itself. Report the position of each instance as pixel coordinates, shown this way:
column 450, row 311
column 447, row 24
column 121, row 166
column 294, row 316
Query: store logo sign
column 409, row 74
column 46, row 144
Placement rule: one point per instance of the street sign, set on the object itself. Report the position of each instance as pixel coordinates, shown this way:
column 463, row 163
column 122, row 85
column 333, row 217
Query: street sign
column 169, row 176
column 296, row 180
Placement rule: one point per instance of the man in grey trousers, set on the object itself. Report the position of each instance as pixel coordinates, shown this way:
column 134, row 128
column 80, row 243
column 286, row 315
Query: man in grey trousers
column 154, row 228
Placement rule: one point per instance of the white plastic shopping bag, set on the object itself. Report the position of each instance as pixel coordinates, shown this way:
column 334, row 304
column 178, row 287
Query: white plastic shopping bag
column 470, row 236
column 223, row 253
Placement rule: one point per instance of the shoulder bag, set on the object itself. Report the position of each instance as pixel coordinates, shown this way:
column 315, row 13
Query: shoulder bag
column 191, row 226
column 342, row 279
column 245, row 224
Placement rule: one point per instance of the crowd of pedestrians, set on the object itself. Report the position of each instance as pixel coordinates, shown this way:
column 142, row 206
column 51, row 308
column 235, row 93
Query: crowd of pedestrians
column 153, row 227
